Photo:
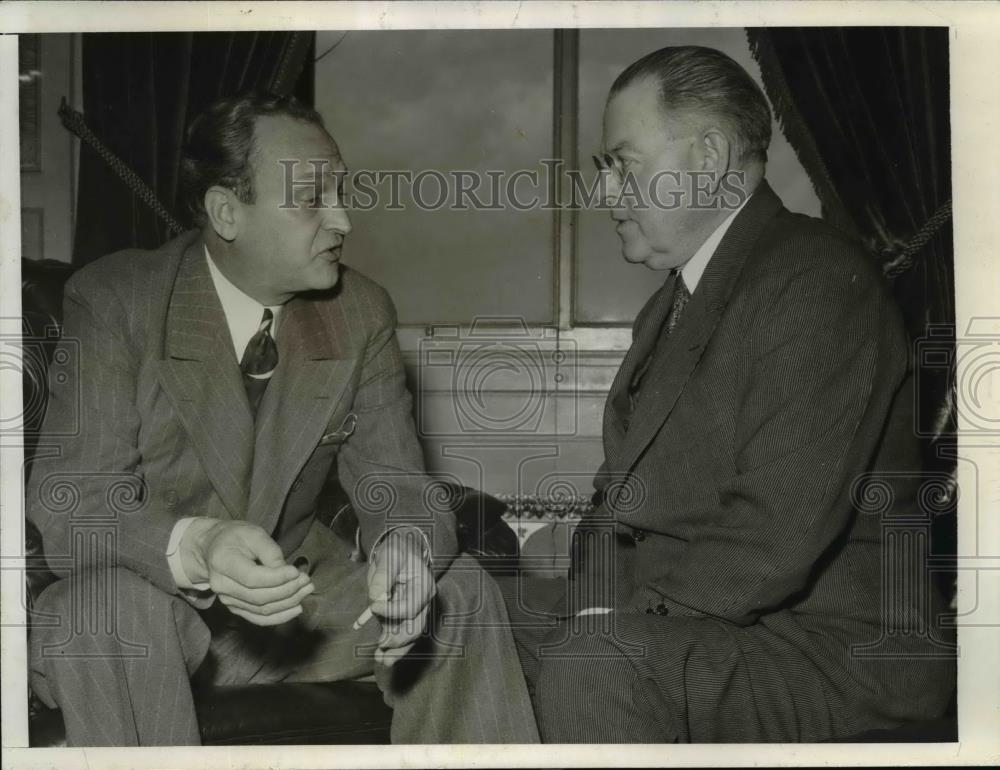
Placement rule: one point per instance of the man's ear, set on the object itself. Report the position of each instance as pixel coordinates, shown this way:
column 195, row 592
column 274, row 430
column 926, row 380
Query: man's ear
column 716, row 155
column 223, row 212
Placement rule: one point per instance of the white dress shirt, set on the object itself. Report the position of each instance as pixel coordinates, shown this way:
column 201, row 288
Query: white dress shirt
column 243, row 315
column 243, row 312
column 694, row 268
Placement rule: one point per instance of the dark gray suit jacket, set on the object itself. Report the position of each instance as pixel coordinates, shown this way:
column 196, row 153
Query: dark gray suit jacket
column 733, row 493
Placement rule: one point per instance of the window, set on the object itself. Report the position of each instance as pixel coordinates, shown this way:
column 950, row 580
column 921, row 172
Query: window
column 502, row 101
column 445, row 101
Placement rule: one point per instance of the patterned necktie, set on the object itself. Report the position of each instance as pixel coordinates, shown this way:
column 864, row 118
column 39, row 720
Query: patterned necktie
column 259, row 361
column 680, row 298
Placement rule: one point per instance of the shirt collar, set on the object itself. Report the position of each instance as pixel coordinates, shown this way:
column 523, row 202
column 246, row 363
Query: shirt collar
column 243, row 313
column 695, row 267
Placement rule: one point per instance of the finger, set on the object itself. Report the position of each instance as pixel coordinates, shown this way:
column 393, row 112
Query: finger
column 248, row 573
column 403, row 633
column 264, row 549
column 268, row 620
column 268, row 608
column 379, row 580
column 224, row 585
column 409, row 595
column 389, row 657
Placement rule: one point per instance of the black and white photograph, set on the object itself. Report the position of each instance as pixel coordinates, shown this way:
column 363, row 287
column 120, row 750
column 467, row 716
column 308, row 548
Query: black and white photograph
column 512, row 386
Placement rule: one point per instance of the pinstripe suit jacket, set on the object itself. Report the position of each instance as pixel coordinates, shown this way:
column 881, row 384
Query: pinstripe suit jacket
column 153, row 424
column 785, row 381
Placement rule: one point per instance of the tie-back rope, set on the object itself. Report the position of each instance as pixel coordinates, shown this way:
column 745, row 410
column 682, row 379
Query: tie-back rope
column 896, row 261
column 75, row 123
column 902, row 261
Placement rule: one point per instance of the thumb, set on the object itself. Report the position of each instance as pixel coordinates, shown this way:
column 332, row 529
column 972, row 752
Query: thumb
column 380, row 582
column 263, row 548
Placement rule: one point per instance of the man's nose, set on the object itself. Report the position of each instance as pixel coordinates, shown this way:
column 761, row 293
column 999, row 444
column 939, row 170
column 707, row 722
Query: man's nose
column 337, row 219
column 613, row 198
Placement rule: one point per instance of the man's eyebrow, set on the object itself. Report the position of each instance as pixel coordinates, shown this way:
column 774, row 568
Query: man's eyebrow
column 336, row 174
column 622, row 145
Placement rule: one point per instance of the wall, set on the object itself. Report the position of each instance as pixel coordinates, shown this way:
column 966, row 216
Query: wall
column 48, row 189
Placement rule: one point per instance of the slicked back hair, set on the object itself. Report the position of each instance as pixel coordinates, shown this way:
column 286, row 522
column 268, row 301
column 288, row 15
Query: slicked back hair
column 703, row 81
column 219, row 146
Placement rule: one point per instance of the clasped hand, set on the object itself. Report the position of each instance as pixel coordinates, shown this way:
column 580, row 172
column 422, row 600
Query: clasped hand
column 400, row 588
column 246, row 569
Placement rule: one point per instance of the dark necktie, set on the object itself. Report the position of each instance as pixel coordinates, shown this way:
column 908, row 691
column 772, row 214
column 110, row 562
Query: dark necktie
column 679, row 299
column 259, row 361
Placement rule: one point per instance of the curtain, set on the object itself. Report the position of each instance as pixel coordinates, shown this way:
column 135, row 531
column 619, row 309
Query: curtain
column 140, row 90
column 867, row 112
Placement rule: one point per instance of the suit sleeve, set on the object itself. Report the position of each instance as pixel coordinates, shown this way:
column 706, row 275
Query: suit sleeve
column 824, row 362
column 86, row 492
column 381, row 467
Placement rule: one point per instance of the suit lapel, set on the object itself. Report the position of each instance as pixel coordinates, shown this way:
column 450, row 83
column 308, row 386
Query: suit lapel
column 616, row 408
column 674, row 363
column 201, row 377
column 309, row 382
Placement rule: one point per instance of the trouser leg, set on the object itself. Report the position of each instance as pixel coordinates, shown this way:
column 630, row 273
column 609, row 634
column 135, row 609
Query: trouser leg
column 535, row 606
column 115, row 653
column 462, row 683
column 594, row 686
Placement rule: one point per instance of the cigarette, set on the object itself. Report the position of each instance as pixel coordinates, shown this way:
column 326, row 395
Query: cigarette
column 363, row 618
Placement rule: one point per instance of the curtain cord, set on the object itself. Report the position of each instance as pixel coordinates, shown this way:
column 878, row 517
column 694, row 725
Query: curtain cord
column 74, row 122
column 899, row 263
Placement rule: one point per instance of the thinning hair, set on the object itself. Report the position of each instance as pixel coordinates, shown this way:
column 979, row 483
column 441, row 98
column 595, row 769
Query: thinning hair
column 702, row 81
column 219, row 146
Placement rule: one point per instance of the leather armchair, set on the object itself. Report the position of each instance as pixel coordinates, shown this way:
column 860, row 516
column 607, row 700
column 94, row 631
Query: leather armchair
column 285, row 713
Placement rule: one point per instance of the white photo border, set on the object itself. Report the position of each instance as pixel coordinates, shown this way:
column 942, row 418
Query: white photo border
column 975, row 61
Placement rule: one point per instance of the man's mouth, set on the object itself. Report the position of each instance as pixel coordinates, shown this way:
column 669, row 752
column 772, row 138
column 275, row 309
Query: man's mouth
column 332, row 253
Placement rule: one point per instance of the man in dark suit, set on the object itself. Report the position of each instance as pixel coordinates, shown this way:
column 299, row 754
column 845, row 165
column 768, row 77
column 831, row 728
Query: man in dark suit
column 727, row 588
column 221, row 378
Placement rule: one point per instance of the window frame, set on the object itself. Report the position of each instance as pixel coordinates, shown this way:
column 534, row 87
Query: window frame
column 581, row 337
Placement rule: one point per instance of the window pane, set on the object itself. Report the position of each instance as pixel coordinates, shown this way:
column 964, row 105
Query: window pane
column 445, row 100
column 608, row 289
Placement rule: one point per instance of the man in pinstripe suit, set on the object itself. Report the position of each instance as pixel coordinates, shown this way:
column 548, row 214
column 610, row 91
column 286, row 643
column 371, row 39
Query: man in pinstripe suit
column 221, row 377
column 727, row 588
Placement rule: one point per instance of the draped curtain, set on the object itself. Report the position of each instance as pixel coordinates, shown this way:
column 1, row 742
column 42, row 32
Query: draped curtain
column 139, row 93
column 867, row 112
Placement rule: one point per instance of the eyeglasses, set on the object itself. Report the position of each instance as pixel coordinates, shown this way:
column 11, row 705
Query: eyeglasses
column 606, row 162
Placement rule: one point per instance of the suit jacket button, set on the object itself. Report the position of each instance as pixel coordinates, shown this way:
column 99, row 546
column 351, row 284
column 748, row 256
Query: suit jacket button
column 661, row 609
column 638, row 536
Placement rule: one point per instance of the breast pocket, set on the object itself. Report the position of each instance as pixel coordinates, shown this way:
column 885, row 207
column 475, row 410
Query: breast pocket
column 336, row 436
